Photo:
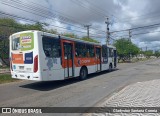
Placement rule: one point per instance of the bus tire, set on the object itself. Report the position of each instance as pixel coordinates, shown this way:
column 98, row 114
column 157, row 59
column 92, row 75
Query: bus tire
column 110, row 67
column 83, row 73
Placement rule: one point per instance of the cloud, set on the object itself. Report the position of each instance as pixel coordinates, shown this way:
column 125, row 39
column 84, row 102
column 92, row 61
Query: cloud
column 123, row 14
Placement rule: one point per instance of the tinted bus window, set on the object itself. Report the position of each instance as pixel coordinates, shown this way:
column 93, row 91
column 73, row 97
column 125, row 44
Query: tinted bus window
column 51, row 47
column 80, row 49
column 104, row 51
column 90, row 50
column 16, row 44
column 110, row 52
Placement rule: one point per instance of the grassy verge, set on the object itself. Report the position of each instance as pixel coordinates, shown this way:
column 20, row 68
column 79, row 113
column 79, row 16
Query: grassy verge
column 4, row 67
column 134, row 60
column 6, row 78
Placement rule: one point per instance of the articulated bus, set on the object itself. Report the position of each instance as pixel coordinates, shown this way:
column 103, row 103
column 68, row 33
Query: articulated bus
column 41, row 56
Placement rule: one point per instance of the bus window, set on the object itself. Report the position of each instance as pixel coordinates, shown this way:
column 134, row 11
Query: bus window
column 98, row 52
column 110, row 52
column 51, row 47
column 68, row 51
column 90, row 50
column 104, row 51
column 47, row 53
column 80, row 49
column 16, row 44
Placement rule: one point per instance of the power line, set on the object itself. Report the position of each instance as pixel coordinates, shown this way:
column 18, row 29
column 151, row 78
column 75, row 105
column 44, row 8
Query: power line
column 40, row 10
column 146, row 33
column 33, row 9
column 63, row 20
column 67, row 17
column 148, row 14
column 26, row 19
column 18, row 27
column 140, row 33
column 100, row 9
column 157, row 24
column 84, row 32
column 79, row 3
column 40, row 14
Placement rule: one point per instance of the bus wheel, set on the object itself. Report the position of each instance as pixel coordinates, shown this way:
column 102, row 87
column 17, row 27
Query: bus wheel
column 110, row 67
column 83, row 73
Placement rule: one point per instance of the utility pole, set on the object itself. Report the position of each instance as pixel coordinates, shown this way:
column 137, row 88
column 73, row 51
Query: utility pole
column 146, row 48
column 130, row 35
column 87, row 26
column 107, row 33
column 129, row 39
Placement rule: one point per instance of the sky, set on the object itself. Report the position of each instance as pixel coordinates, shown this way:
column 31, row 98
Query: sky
column 71, row 16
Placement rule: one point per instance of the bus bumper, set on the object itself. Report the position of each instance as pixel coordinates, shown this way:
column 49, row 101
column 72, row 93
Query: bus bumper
column 26, row 76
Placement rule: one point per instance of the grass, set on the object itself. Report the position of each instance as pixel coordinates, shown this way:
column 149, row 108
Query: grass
column 134, row 60
column 4, row 67
column 6, row 78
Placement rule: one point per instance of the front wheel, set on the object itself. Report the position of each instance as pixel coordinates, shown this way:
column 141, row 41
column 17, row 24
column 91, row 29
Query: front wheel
column 83, row 73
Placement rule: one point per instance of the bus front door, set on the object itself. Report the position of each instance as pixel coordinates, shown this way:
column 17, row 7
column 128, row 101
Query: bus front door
column 98, row 59
column 115, row 58
column 68, row 59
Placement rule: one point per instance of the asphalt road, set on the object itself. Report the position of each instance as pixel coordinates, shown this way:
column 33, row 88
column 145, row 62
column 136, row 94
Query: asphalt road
column 75, row 93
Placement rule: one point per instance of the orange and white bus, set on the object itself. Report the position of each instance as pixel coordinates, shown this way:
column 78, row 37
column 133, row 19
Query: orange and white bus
column 41, row 56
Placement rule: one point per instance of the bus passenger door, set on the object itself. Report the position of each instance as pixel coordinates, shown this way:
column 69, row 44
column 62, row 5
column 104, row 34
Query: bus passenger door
column 115, row 58
column 98, row 59
column 68, row 59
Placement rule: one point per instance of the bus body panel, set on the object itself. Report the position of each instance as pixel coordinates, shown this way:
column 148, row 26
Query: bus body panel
column 49, row 66
column 105, row 67
column 66, row 65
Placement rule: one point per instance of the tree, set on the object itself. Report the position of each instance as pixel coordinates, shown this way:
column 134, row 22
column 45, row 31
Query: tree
column 71, row 35
column 89, row 39
column 148, row 53
column 53, row 31
column 9, row 26
column 126, row 49
column 157, row 54
column 37, row 26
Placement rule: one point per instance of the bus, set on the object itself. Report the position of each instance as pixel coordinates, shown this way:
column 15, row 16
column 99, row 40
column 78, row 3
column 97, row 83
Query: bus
column 42, row 56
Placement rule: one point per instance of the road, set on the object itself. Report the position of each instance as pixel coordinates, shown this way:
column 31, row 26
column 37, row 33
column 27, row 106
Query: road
column 75, row 93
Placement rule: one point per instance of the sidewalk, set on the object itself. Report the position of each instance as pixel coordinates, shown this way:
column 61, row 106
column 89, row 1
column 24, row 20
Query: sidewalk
column 140, row 94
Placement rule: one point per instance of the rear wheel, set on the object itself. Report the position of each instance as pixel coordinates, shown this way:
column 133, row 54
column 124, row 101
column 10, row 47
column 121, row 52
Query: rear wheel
column 83, row 73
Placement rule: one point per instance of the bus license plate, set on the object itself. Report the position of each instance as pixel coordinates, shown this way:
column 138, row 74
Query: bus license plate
column 21, row 67
column 21, row 75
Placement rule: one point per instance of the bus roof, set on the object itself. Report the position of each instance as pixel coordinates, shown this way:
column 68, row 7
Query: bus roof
column 69, row 38
column 55, row 35
column 23, row 32
column 63, row 37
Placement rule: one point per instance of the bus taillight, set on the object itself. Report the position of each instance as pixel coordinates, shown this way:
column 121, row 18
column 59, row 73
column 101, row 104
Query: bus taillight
column 36, row 63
